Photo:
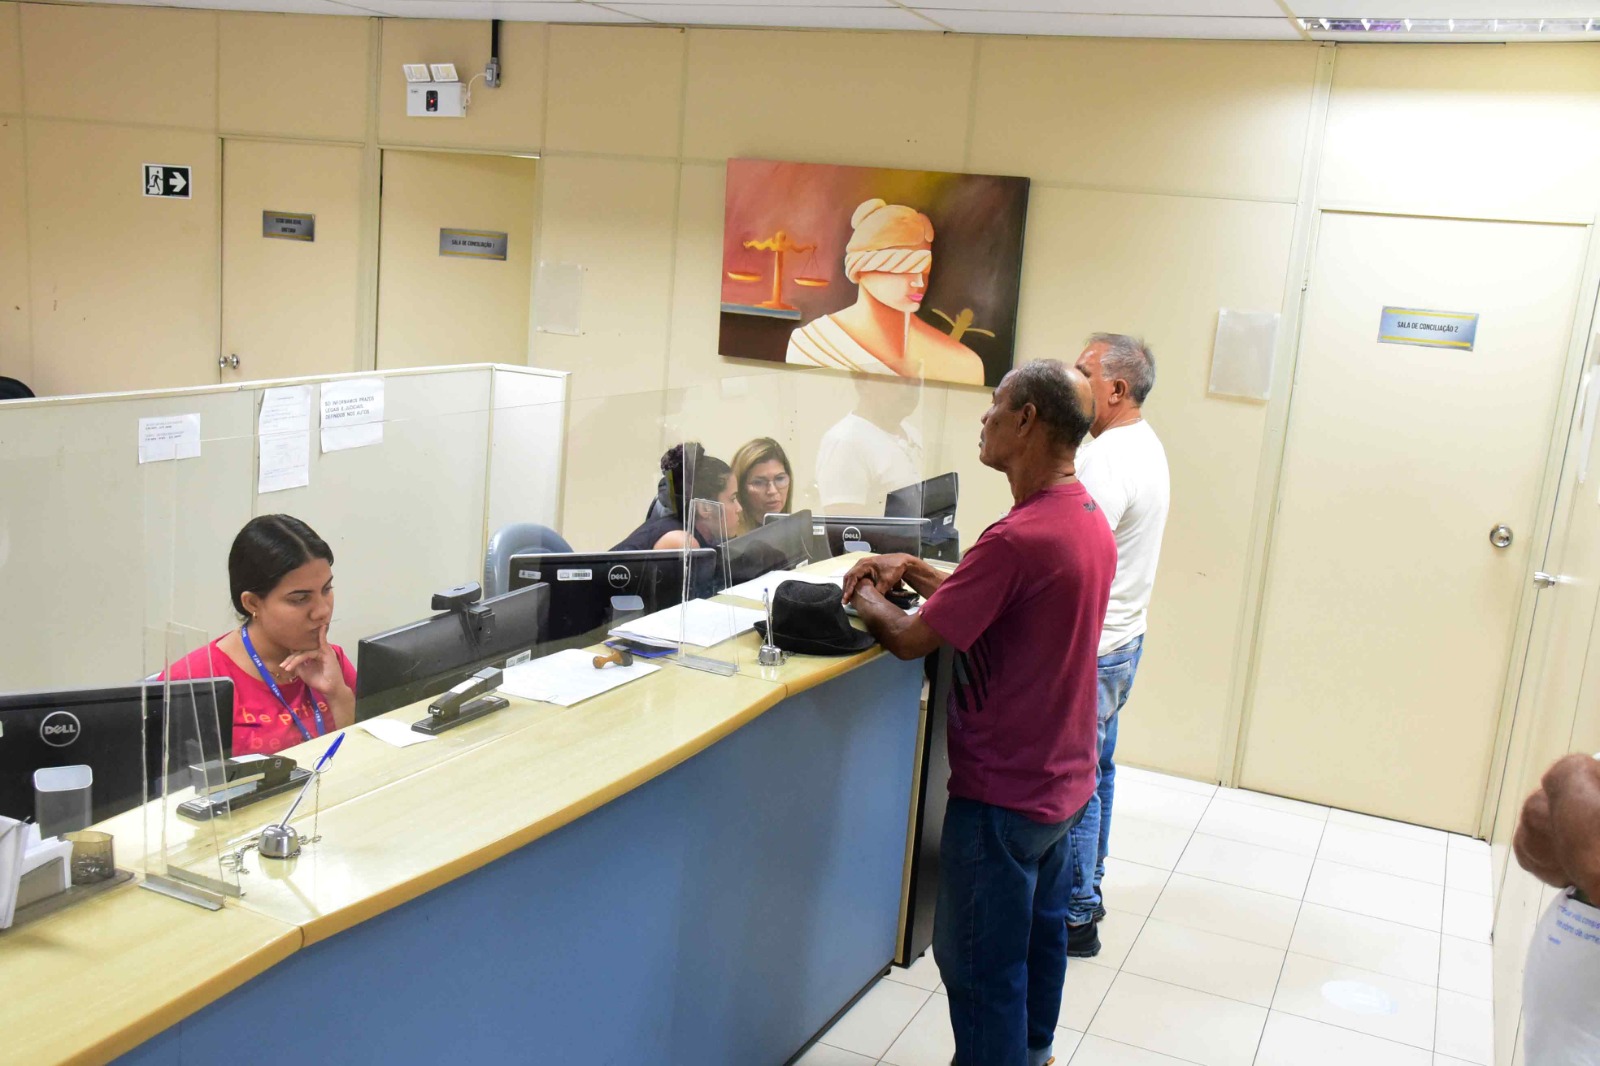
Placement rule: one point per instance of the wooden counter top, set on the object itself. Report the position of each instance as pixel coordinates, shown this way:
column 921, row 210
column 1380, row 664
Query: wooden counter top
column 95, row 980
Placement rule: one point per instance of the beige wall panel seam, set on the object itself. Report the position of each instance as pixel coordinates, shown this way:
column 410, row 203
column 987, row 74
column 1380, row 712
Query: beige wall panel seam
column 160, row 127
column 1549, row 498
column 972, row 106
column 365, row 357
column 1422, row 211
column 677, row 221
column 320, row 142
column 1241, row 689
column 27, row 197
column 410, row 146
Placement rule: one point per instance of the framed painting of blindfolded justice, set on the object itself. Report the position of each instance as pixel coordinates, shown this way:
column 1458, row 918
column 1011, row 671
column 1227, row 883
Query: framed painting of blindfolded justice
column 911, row 273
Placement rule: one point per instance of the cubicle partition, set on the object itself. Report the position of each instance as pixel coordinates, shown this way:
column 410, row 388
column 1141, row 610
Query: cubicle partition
column 97, row 546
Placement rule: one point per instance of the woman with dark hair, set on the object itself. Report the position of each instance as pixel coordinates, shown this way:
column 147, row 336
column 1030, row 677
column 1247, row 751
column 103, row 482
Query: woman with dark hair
column 690, row 475
column 764, row 478
column 289, row 684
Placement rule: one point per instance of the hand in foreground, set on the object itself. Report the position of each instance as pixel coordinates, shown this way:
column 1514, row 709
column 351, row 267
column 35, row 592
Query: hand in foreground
column 1558, row 838
column 318, row 668
column 883, row 572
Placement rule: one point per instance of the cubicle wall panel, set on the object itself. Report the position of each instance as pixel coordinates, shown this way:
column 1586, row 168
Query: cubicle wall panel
column 720, row 914
column 530, row 429
column 404, row 517
column 94, row 547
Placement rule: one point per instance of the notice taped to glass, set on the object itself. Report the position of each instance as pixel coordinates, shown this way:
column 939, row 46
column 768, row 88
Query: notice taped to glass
column 472, row 244
column 1428, row 329
column 288, row 226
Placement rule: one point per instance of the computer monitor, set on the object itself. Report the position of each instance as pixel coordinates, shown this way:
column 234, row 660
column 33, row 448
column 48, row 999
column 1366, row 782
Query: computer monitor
column 935, row 500
column 587, row 589
column 783, row 542
column 101, row 728
column 423, row 659
column 840, row 534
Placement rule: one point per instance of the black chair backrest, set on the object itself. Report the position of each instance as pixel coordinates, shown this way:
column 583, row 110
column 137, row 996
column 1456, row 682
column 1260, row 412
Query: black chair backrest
column 12, row 389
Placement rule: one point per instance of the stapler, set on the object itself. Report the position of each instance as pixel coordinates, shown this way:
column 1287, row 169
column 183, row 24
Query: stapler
column 464, row 703
column 222, row 785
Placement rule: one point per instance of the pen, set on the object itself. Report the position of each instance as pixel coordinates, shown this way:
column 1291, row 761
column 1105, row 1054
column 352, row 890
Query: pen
column 327, row 757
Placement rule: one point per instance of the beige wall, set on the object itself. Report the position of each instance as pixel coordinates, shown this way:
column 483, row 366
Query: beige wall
column 1169, row 179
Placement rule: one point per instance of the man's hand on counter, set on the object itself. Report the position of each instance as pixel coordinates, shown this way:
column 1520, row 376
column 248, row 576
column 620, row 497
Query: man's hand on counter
column 886, row 572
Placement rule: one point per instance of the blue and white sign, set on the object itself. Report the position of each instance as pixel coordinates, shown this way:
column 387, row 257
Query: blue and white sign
column 1430, row 329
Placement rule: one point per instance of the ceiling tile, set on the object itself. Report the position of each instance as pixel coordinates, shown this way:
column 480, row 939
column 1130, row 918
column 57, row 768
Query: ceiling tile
column 843, row 18
column 1199, row 8
column 1048, row 24
column 510, row 10
column 783, row 4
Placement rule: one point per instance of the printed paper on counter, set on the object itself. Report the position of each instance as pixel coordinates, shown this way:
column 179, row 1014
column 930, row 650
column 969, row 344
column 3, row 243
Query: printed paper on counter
column 172, row 437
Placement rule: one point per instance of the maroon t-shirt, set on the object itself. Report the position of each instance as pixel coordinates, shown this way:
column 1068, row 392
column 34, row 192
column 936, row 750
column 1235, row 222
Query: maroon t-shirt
column 1024, row 611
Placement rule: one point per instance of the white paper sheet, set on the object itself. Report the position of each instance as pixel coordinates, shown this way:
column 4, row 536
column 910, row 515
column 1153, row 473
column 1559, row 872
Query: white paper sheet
column 699, row 622
column 568, row 677
column 352, row 413
column 285, row 461
column 768, row 583
column 13, row 846
column 399, row 734
column 285, row 410
column 171, row 437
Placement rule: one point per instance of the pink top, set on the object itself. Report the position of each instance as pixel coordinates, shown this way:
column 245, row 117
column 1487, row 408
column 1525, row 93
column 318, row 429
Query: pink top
column 260, row 724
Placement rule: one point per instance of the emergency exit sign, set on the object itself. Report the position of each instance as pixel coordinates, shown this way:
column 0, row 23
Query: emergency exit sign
column 167, row 181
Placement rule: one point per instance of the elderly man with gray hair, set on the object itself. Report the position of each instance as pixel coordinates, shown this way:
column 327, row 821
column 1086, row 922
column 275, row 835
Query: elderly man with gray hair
column 1125, row 470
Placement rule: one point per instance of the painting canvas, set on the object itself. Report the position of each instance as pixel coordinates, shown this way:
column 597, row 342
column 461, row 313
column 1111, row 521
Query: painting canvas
column 906, row 272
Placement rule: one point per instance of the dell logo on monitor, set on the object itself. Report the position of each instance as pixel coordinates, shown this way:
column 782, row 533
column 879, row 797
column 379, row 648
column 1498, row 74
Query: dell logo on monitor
column 59, row 728
column 619, row 576
column 852, row 533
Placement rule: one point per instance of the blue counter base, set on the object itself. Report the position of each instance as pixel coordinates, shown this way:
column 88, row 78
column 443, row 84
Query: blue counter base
column 720, row 914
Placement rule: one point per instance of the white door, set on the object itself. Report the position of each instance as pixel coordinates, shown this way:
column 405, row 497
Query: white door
column 1389, row 614
column 290, row 305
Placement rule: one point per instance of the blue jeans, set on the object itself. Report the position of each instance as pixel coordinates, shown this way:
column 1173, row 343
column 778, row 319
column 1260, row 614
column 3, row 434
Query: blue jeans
column 1088, row 841
column 999, row 932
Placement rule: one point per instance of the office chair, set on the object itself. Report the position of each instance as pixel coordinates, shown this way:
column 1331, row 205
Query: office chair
column 515, row 539
column 12, row 389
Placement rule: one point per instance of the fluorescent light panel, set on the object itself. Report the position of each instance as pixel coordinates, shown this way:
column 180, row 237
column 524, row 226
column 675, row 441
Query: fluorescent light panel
column 1479, row 27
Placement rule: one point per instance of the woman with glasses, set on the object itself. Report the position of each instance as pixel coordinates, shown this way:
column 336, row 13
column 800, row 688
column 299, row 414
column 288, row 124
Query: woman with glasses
column 764, row 478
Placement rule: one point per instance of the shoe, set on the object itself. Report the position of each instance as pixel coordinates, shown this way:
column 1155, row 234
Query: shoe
column 1083, row 941
column 1099, row 913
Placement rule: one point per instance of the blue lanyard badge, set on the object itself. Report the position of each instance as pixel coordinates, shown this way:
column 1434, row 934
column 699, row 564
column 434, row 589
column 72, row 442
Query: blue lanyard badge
column 266, row 676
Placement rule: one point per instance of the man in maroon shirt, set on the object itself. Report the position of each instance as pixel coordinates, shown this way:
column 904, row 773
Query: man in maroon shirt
column 1023, row 612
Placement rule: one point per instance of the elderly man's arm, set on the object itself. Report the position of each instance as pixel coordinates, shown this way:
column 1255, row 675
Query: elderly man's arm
column 906, row 636
column 1558, row 839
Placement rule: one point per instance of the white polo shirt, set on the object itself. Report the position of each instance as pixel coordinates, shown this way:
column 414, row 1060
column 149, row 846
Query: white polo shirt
column 1125, row 470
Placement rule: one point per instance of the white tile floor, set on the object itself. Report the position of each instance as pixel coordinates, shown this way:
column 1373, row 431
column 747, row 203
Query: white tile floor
column 1245, row 930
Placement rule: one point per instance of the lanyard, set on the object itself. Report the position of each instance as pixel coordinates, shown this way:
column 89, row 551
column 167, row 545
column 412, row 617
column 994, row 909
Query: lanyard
column 261, row 668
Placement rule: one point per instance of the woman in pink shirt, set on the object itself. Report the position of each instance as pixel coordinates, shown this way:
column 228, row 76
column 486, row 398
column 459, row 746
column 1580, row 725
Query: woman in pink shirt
column 289, row 684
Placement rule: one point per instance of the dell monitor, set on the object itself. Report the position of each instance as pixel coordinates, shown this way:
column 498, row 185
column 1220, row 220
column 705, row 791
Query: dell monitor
column 837, row 535
column 423, row 659
column 106, row 729
column 783, row 542
column 590, row 592
column 935, row 500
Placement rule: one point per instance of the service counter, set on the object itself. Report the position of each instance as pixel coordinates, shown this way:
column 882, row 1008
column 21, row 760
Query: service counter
column 691, row 868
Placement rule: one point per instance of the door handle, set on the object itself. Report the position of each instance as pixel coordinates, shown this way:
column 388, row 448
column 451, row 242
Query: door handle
column 1542, row 580
column 224, row 362
column 1500, row 536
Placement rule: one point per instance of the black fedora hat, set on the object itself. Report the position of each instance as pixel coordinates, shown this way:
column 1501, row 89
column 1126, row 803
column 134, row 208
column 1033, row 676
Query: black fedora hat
column 809, row 619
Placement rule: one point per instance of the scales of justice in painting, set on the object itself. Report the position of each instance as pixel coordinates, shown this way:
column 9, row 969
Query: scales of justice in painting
column 908, row 273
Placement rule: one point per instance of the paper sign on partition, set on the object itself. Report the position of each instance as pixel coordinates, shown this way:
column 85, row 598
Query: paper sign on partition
column 284, row 426
column 172, row 437
column 352, row 414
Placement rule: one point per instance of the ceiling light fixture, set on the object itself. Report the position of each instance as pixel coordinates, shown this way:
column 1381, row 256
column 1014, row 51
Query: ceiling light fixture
column 1496, row 28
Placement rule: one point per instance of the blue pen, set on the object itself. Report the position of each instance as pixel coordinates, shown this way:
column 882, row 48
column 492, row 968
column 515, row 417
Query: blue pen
column 327, row 757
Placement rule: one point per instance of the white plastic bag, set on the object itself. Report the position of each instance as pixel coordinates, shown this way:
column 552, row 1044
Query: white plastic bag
column 1561, row 987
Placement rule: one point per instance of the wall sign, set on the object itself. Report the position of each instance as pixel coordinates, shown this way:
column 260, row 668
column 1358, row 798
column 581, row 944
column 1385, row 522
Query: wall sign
column 286, row 225
column 167, row 181
column 1428, row 329
column 472, row 244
